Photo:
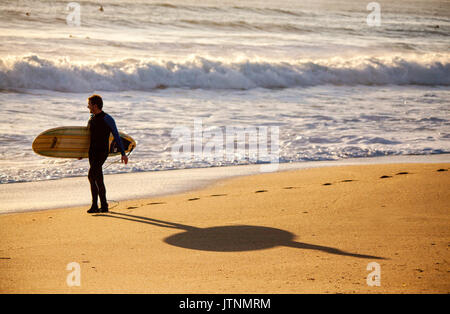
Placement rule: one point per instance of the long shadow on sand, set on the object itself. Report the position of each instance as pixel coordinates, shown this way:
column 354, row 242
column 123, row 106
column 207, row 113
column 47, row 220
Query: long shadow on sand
column 233, row 238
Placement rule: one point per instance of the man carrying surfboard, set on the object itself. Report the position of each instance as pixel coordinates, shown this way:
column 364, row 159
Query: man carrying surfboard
column 101, row 125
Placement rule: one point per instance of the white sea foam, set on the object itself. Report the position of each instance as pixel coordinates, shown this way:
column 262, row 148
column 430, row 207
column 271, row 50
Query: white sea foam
column 315, row 123
column 335, row 87
column 34, row 72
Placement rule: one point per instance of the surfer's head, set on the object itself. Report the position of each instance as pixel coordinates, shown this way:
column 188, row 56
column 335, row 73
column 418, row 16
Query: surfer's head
column 95, row 103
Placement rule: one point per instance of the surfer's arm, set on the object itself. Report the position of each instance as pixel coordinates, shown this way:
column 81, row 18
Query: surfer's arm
column 112, row 125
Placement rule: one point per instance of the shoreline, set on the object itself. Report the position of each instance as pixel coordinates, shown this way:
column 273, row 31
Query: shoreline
column 309, row 230
column 52, row 194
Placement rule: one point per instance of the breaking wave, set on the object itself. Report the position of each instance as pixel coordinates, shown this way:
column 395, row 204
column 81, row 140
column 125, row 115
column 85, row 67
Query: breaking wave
column 34, row 72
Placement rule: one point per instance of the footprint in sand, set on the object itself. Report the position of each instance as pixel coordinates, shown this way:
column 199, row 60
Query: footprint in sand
column 347, row 180
column 194, row 199
column 291, row 187
column 218, row 195
column 440, row 170
column 399, row 173
column 155, row 203
column 260, row 191
column 132, row 207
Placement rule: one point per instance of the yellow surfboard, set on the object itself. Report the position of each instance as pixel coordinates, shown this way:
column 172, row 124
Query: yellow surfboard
column 73, row 142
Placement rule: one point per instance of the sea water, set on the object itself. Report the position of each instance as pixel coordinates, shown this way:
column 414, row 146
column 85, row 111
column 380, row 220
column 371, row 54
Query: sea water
column 334, row 84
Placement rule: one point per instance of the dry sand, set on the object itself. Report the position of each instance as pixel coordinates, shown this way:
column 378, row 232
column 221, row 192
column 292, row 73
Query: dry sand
column 304, row 231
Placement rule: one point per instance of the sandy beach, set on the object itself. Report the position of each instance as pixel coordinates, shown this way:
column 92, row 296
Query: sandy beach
column 282, row 147
column 303, row 231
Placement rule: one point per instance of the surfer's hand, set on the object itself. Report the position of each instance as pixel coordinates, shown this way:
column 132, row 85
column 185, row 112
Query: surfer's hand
column 124, row 159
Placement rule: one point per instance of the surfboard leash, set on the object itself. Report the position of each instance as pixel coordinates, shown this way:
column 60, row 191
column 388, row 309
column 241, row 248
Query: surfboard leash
column 116, row 161
column 115, row 205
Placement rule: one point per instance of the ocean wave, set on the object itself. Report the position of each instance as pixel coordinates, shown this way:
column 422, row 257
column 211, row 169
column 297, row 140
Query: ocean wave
column 225, row 9
column 243, row 25
column 34, row 72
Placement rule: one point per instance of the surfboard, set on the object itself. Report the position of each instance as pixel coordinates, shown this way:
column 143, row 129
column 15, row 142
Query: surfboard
column 73, row 142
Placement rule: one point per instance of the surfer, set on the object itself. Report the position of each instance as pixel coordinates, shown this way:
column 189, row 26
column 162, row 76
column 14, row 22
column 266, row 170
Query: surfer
column 101, row 125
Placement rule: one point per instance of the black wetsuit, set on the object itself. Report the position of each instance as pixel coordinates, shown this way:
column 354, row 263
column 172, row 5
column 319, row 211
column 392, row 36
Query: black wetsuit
column 100, row 125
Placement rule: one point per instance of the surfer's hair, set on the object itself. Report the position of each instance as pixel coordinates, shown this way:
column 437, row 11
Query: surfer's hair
column 96, row 100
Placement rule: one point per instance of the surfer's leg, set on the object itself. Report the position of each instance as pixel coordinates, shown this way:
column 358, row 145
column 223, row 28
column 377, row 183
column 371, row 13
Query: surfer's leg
column 100, row 183
column 95, row 176
column 102, row 191
column 92, row 181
